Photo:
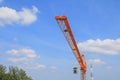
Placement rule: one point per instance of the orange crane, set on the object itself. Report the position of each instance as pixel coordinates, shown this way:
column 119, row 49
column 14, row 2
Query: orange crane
column 65, row 27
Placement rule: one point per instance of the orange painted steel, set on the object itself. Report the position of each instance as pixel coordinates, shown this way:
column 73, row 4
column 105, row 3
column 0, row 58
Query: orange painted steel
column 65, row 27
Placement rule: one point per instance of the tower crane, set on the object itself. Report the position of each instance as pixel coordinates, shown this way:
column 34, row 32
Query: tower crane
column 65, row 27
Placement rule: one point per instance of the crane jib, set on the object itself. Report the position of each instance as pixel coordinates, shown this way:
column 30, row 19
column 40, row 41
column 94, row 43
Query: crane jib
column 65, row 27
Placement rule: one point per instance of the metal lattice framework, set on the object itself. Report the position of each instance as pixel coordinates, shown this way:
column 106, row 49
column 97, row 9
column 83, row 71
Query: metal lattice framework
column 65, row 27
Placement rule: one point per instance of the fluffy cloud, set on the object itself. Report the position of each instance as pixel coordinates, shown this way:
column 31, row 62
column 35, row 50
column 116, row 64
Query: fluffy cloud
column 30, row 53
column 107, row 46
column 96, row 61
column 20, row 55
column 25, row 57
column 40, row 66
column 53, row 67
column 15, row 60
column 1, row 1
column 24, row 17
column 32, row 66
column 35, row 66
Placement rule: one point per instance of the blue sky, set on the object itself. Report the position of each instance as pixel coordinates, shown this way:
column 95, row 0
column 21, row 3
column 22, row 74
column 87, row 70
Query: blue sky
column 32, row 40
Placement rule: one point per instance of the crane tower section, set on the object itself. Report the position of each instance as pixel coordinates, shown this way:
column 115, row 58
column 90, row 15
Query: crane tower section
column 65, row 27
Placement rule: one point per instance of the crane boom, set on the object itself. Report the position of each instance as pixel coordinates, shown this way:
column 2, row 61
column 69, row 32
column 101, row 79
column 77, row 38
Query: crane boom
column 65, row 27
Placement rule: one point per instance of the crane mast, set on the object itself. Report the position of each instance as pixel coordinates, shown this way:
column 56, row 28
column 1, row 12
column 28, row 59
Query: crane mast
column 65, row 27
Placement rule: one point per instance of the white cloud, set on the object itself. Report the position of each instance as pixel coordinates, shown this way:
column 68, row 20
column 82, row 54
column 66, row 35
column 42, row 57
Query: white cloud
column 24, row 17
column 26, row 52
column 20, row 55
column 96, row 62
column 33, row 66
column 40, row 66
column 107, row 46
column 109, row 67
column 1, row 1
column 25, row 58
column 53, row 67
column 15, row 60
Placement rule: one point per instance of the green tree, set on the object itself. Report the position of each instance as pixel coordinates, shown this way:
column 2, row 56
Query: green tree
column 18, row 74
column 14, row 73
column 2, row 71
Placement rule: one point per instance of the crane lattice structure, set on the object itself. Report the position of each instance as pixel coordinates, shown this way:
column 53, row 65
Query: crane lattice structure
column 65, row 27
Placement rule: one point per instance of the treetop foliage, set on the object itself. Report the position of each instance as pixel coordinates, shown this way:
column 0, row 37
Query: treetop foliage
column 14, row 73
